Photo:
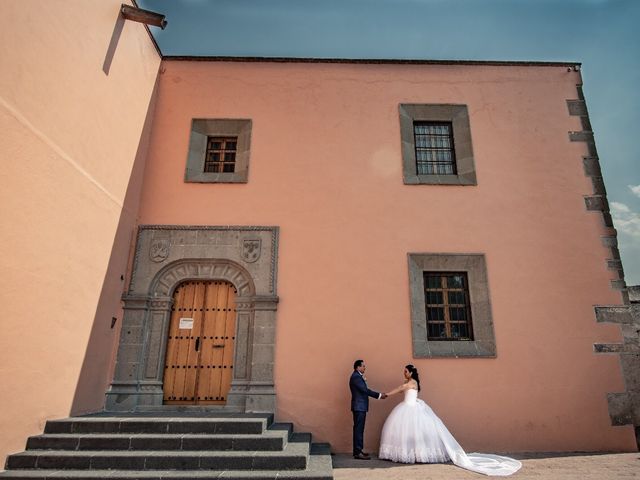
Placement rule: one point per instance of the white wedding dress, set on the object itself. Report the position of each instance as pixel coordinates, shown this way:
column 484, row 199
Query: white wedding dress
column 412, row 433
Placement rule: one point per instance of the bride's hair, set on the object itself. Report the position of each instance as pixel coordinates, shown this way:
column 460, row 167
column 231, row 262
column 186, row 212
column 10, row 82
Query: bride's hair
column 414, row 374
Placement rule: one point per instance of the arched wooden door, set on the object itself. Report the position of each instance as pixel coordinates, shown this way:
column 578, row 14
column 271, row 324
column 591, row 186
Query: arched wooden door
column 200, row 345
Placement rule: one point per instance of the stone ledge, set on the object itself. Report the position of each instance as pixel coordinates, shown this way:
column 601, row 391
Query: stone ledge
column 634, row 293
column 609, row 241
column 616, row 348
column 591, row 166
column 582, row 136
column 608, row 347
column 621, row 408
column 596, row 202
column 618, row 285
column 577, row 107
column 614, row 314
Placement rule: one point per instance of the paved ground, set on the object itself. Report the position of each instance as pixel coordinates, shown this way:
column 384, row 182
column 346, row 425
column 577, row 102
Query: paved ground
column 538, row 466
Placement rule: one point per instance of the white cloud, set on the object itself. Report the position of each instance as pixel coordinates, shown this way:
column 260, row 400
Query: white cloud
column 625, row 220
column 617, row 207
column 635, row 189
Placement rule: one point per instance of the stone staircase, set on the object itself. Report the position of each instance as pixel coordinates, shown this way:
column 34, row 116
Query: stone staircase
column 234, row 446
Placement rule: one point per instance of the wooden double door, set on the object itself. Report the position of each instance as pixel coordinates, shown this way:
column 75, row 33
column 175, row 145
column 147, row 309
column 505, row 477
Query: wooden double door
column 200, row 346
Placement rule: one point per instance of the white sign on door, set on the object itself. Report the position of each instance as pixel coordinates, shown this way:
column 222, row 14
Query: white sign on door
column 186, row 324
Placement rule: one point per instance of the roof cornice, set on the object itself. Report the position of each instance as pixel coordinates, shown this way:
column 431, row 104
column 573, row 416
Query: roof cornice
column 366, row 61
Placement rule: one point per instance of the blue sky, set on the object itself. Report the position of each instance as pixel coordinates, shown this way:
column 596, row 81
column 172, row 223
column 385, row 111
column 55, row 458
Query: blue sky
column 602, row 34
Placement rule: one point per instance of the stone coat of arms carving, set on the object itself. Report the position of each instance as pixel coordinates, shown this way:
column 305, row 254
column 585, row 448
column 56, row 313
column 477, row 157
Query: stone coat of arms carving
column 159, row 250
column 251, row 249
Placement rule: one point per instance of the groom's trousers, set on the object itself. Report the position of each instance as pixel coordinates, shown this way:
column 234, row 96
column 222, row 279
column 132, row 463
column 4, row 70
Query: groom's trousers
column 358, row 431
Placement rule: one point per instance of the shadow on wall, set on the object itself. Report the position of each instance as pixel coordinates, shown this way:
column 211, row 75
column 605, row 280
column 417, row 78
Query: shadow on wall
column 99, row 359
column 115, row 37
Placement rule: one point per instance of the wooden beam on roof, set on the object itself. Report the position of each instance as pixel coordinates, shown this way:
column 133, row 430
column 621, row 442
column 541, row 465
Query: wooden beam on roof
column 143, row 16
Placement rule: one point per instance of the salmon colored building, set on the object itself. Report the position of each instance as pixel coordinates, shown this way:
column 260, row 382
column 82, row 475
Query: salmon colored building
column 230, row 235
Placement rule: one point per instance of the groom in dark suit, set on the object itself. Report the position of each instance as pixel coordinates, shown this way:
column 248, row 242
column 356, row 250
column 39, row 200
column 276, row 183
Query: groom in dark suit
column 360, row 394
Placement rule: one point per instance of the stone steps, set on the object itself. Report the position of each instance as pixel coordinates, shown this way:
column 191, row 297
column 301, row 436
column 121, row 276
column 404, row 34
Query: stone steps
column 268, row 441
column 230, row 425
column 319, row 468
column 222, row 446
column 294, row 456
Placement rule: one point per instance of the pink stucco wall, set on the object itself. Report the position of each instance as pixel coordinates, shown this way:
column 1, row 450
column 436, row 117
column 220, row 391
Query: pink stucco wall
column 326, row 168
column 76, row 83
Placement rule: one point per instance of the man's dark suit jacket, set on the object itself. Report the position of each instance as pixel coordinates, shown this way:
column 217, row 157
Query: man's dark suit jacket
column 360, row 393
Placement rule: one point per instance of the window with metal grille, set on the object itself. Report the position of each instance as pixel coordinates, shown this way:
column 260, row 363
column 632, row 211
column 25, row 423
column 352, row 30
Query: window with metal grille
column 435, row 154
column 221, row 154
column 447, row 306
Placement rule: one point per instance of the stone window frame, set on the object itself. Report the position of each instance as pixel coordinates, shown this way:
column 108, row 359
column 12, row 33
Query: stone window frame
column 458, row 115
column 474, row 264
column 201, row 130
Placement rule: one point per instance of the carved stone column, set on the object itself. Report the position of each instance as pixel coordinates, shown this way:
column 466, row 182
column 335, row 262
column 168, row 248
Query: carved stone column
column 124, row 387
column 253, row 387
column 152, row 371
column 244, row 347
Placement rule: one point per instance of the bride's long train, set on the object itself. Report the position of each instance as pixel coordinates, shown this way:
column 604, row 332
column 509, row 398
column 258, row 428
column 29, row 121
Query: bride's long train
column 413, row 433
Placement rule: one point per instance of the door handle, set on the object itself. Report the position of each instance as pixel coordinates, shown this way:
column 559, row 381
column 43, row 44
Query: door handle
column 219, row 346
column 197, row 344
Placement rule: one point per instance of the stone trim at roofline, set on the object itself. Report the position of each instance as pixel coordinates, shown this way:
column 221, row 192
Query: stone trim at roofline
column 575, row 66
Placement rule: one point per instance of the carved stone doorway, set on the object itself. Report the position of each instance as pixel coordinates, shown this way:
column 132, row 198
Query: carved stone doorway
column 166, row 256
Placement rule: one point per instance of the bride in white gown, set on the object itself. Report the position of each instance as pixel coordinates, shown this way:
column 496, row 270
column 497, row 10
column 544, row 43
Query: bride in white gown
column 413, row 433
